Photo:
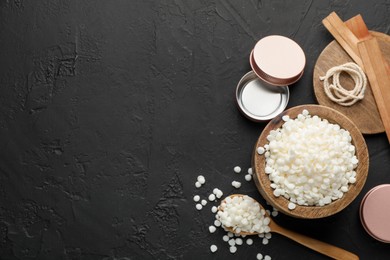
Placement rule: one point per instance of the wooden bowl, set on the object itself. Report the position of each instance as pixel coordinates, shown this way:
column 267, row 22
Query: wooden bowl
column 312, row 212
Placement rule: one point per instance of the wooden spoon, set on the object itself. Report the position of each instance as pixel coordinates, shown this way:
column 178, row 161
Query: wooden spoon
column 316, row 245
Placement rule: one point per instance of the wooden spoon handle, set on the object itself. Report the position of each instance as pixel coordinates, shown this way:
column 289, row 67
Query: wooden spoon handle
column 321, row 247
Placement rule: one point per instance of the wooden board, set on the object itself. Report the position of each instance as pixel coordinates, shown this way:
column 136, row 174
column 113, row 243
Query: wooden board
column 364, row 113
column 311, row 212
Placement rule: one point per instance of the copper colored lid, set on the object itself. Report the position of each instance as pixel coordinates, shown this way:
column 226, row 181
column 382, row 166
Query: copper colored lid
column 375, row 212
column 271, row 80
column 278, row 60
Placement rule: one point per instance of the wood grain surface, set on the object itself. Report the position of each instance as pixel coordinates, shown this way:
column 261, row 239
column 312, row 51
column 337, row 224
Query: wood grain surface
column 375, row 68
column 312, row 212
column 364, row 113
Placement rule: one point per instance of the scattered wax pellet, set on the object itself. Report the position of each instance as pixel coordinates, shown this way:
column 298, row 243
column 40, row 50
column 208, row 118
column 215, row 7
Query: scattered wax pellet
column 217, row 223
column 232, row 242
column 265, row 241
column 197, row 184
column 217, row 192
column 237, row 169
column 214, row 209
column 199, row 206
column 233, row 249
column 213, row 248
column 267, row 257
column 250, row 171
column 201, row 179
column 204, row 202
column 230, row 234
column 236, row 184
column 239, row 241
column 248, row 177
column 259, row 256
column 196, row 198
column 225, row 238
column 212, row 229
column 249, row 241
column 268, row 235
column 211, row 197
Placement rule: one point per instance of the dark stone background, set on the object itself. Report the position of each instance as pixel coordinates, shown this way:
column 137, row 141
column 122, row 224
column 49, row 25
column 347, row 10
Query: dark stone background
column 109, row 110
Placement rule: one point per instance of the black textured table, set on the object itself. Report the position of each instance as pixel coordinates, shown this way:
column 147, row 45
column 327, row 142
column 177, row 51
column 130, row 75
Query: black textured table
column 109, row 110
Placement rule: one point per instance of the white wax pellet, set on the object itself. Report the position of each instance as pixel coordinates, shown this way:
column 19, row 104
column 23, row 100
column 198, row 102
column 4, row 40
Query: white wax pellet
column 197, row 184
column 268, row 235
column 249, row 241
column 232, row 242
column 259, row 256
column 225, row 238
column 260, row 150
column 277, row 192
column 274, row 213
column 267, row 257
column 212, row 229
column 233, row 249
column 248, row 177
column 265, row 241
column 261, row 235
column 198, row 206
column 201, row 179
column 214, row 209
column 239, row 241
column 285, row 118
column 230, row 234
column 217, row 192
column 213, row 248
column 211, row 197
column 250, row 171
column 291, row 205
column 236, row 184
column 344, row 189
column 217, row 223
column 196, row 198
column 237, row 169
column 204, row 202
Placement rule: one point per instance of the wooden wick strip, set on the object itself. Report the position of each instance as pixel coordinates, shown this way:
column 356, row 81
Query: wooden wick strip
column 378, row 77
column 343, row 36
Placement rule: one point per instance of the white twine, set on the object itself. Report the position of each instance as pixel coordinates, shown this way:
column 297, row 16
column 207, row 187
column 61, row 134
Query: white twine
column 335, row 90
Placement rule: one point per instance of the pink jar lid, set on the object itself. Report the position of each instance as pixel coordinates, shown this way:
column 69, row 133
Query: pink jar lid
column 278, row 60
column 375, row 212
